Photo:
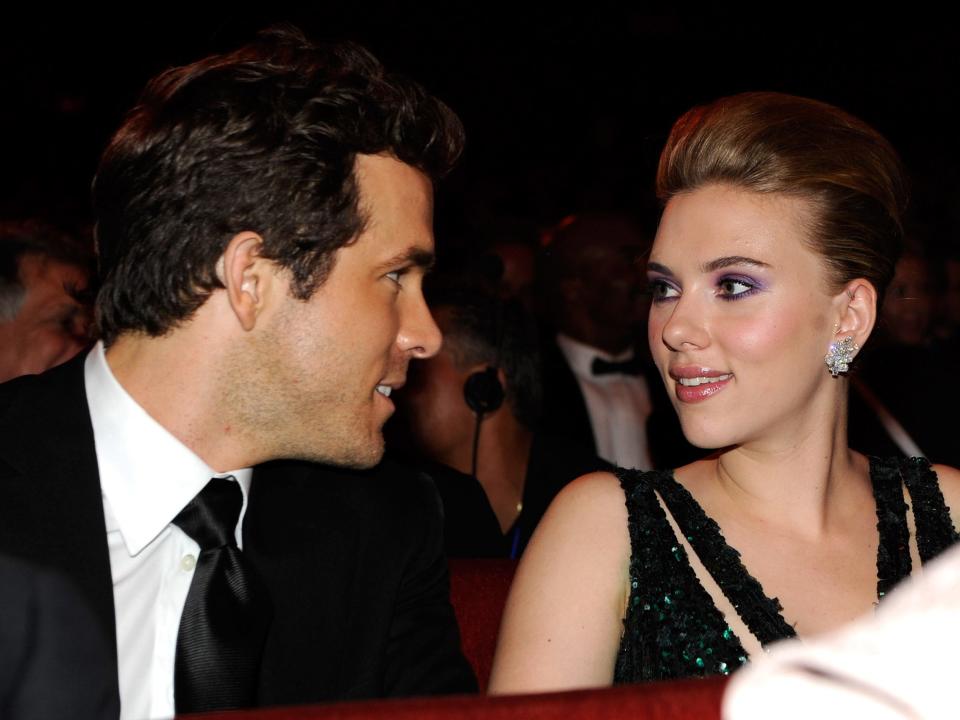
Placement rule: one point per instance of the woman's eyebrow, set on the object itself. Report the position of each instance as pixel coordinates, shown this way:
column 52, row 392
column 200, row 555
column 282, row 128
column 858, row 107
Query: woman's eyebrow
column 729, row 260
column 658, row 268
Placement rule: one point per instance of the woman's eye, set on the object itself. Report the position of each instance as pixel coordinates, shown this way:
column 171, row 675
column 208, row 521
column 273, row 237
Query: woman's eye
column 732, row 287
column 662, row 290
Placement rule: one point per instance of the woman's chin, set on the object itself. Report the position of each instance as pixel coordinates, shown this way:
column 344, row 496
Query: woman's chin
column 707, row 438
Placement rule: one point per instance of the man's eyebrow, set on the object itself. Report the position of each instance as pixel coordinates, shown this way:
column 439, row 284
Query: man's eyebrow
column 412, row 256
column 729, row 260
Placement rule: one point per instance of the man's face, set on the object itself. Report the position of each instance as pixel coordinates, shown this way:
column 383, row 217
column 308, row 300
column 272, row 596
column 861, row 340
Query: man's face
column 613, row 286
column 603, row 296
column 908, row 308
column 51, row 326
column 325, row 367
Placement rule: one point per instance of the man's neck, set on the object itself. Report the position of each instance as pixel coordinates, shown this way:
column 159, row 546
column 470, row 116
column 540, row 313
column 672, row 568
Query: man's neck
column 178, row 385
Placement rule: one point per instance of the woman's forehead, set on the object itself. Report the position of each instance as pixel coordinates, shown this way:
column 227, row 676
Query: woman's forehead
column 722, row 220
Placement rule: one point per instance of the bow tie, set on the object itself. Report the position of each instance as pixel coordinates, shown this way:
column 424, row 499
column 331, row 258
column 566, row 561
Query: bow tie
column 615, row 367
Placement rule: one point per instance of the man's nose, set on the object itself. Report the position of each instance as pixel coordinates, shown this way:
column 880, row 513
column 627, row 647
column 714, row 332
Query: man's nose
column 419, row 334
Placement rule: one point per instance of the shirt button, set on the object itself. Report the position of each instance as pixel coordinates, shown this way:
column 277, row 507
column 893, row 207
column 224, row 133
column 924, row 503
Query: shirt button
column 188, row 562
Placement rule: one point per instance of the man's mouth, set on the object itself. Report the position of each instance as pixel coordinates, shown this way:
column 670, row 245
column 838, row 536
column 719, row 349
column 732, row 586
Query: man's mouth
column 384, row 390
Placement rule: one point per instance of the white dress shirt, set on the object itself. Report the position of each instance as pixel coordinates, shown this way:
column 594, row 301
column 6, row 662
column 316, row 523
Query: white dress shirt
column 146, row 477
column 618, row 405
column 899, row 662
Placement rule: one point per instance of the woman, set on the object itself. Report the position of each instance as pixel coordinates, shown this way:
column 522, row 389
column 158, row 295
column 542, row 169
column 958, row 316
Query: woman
column 779, row 235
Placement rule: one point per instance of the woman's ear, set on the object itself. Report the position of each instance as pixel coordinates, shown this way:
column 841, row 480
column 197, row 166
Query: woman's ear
column 244, row 274
column 856, row 310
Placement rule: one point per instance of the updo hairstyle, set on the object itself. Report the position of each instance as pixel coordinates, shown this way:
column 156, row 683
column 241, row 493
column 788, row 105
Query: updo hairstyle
column 774, row 143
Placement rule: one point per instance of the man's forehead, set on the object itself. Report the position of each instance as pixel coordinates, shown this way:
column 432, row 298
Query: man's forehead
column 375, row 172
column 396, row 201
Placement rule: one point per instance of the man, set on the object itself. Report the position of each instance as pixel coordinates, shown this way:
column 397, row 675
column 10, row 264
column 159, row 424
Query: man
column 472, row 409
column 264, row 224
column 601, row 388
column 44, row 318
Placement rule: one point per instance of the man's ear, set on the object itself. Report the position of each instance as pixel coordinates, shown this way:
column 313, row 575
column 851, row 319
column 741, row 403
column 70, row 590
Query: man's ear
column 856, row 310
column 245, row 276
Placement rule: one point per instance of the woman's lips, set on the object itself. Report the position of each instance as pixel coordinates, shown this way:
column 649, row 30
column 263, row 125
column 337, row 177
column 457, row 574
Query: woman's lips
column 696, row 385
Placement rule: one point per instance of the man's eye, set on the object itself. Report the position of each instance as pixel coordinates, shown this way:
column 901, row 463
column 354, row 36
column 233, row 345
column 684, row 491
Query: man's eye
column 394, row 275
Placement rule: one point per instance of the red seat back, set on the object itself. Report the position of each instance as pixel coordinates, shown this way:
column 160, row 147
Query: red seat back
column 478, row 591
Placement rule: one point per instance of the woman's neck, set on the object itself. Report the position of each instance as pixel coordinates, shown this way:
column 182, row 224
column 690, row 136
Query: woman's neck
column 802, row 481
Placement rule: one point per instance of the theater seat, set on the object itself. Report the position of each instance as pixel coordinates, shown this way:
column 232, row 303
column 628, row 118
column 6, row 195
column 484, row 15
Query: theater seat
column 675, row 700
column 478, row 591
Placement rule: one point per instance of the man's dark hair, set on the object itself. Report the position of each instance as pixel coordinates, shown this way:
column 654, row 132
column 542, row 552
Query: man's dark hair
column 261, row 139
column 487, row 330
column 19, row 238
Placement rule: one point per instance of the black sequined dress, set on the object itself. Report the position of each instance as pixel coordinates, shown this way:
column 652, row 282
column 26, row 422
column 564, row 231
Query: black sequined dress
column 672, row 627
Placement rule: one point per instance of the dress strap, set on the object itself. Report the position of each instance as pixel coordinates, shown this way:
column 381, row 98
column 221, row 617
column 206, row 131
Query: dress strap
column 935, row 531
column 749, row 641
column 893, row 551
column 672, row 628
column 760, row 613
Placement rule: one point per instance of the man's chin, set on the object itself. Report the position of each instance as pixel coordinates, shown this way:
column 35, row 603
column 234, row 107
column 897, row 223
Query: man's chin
column 359, row 463
column 344, row 451
column 354, row 458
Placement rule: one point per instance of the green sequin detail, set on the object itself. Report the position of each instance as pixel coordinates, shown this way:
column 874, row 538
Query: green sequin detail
column 672, row 628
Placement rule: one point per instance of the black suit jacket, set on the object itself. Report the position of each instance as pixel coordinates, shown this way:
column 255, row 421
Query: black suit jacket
column 53, row 662
column 565, row 413
column 354, row 562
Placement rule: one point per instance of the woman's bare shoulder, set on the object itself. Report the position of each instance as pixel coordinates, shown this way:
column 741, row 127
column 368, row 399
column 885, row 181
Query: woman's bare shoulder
column 949, row 479
column 947, row 475
column 562, row 623
column 588, row 516
column 599, row 492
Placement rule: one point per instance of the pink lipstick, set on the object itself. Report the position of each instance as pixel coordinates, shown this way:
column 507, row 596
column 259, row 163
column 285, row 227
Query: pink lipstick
column 695, row 384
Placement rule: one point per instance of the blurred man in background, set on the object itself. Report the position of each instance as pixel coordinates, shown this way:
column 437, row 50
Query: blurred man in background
column 45, row 307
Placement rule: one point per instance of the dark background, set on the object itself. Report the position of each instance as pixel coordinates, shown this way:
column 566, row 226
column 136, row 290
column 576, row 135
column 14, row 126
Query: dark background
column 564, row 110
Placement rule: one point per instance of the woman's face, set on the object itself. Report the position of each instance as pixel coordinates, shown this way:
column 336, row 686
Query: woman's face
column 742, row 317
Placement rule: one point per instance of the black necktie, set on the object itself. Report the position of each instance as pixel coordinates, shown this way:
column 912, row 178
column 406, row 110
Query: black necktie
column 612, row 367
column 227, row 612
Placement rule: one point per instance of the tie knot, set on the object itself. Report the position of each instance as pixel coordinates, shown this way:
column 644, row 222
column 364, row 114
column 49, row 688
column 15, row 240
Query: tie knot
column 601, row 366
column 210, row 519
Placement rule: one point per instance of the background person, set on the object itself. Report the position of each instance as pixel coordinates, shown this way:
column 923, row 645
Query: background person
column 473, row 410
column 45, row 302
column 600, row 390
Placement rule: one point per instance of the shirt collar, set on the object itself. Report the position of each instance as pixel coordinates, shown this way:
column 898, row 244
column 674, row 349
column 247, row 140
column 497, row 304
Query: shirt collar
column 146, row 474
column 580, row 355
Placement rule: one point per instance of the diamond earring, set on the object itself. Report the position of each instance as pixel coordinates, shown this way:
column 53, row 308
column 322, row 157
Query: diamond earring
column 840, row 355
